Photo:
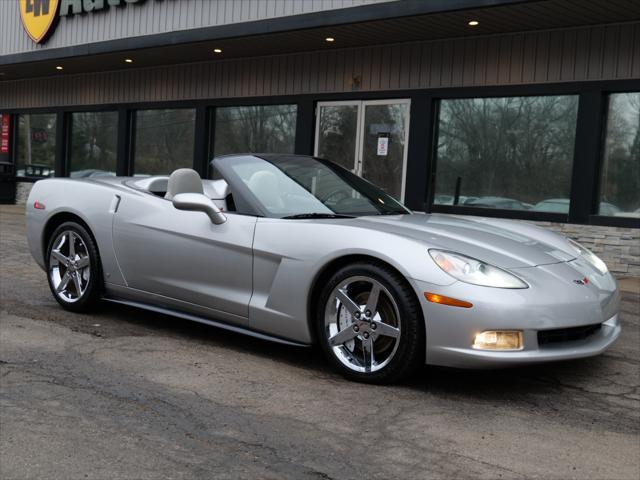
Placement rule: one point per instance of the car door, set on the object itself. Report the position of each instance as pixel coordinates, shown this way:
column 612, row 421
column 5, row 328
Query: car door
column 182, row 255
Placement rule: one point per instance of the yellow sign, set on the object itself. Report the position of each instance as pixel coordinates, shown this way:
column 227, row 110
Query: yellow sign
column 38, row 16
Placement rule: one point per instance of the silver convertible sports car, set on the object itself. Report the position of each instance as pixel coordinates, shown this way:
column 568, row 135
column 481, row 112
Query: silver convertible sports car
column 298, row 250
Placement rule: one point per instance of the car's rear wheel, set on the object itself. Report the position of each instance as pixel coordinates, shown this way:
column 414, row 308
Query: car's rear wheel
column 369, row 323
column 73, row 267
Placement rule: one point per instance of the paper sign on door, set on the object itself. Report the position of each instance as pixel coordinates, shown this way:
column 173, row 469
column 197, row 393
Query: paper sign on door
column 383, row 146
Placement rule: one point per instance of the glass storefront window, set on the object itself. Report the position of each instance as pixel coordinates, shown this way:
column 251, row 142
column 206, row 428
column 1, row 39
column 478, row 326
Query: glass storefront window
column 384, row 143
column 368, row 137
column 620, row 174
column 94, row 144
column 164, row 141
column 36, row 149
column 337, row 133
column 255, row 129
column 508, row 153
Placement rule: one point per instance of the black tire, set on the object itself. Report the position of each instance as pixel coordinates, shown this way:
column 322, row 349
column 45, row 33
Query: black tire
column 93, row 286
column 410, row 349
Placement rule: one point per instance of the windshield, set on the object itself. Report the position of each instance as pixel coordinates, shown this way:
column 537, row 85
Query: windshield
column 304, row 187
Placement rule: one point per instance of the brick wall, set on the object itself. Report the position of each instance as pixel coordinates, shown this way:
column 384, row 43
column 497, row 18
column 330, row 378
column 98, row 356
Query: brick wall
column 618, row 247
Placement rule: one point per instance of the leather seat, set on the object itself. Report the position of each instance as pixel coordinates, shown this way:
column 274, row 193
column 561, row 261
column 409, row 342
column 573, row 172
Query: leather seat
column 183, row 180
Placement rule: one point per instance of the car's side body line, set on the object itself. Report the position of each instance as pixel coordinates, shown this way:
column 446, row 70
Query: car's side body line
column 206, row 321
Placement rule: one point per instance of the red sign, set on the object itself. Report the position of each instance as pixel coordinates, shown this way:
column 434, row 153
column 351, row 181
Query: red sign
column 4, row 133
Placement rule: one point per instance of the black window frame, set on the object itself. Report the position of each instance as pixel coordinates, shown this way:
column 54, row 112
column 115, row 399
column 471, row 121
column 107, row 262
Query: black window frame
column 422, row 133
column 132, row 125
column 66, row 119
column 498, row 212
column 14, row 126
column 595, row 218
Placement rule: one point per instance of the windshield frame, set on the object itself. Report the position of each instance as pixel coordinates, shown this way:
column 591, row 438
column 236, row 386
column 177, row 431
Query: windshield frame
column 247, row 203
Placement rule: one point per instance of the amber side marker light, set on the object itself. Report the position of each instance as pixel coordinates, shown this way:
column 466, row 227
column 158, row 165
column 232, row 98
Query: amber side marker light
column 441, row 299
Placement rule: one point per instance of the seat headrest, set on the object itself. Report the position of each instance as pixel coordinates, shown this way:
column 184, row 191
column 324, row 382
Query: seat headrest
column 183, row 180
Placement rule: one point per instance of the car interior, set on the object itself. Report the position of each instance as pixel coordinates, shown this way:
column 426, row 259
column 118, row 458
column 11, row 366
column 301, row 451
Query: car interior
column 187, row 180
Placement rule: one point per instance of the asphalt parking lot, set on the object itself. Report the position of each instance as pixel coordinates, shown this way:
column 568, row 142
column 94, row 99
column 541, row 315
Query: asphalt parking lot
column 129, row 394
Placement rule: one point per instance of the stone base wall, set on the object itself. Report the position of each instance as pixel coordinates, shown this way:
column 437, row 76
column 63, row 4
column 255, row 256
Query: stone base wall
column 22, row 192
column 618, row 247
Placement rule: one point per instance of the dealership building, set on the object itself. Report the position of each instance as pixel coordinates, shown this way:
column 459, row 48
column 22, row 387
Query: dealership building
column 527, row 110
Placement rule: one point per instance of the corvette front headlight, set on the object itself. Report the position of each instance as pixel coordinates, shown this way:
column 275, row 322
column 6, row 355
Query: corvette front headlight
column 470, row 270
column 589, row 256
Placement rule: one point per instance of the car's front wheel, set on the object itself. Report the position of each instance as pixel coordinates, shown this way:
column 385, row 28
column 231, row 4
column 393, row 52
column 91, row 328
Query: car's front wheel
column 369, row 323
column 73, row 267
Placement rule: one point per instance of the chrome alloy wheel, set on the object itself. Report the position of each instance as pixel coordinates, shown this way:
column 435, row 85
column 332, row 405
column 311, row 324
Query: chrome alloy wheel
column 362, row 324
column 69, row 266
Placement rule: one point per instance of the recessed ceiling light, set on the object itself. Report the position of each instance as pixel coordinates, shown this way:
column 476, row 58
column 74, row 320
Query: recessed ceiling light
column 474, row 23
column 59, row 67
column 329, row 39
column 128, row 60
column 217, row 50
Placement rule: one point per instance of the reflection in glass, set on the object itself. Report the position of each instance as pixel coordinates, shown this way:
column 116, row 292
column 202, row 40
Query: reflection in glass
column 507, row 153
column 620, row 179
column 255, row 129
column 36, row 149
column 383, row 165
column 164, row 141
column 337, row 134
column 94, row 143
column 299, row 187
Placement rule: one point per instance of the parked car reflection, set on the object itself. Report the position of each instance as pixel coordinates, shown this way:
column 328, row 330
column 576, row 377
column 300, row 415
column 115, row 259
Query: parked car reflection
column 91, row 173
column 498, row 202
column 449, row 200
column 34, row 170
column 561, row 205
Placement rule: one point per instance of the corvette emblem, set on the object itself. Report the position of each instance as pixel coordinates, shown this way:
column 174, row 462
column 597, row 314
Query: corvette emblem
column 38, row 17
column 584, row 281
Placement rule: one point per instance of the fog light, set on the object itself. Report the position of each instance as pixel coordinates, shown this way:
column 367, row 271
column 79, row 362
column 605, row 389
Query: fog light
column 498, row 340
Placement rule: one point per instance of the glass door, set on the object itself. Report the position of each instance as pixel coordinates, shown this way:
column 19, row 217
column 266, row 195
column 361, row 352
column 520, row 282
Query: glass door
column 383, row 152
column 368, row 137
column 337, row 132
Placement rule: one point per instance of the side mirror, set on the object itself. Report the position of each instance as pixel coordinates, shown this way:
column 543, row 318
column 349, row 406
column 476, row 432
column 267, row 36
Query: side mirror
column 197, row 202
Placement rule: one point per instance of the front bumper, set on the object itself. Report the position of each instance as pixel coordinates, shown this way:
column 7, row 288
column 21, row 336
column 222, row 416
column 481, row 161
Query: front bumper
column 550, row 303
column 531, row 353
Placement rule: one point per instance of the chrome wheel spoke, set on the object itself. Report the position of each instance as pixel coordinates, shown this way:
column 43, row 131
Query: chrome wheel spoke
column 77, row 283
column 368, row 354
column 343, row 336
column 83, row 262
column 352, row 307
column 60, row 257
column 66, row 278
column 372, row 302
column 72, row 246
column 385, row 330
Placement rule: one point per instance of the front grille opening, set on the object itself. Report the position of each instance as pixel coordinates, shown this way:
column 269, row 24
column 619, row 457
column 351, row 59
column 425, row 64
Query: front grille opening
column 561, row 335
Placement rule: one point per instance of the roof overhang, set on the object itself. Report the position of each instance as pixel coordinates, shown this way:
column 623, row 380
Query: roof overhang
column 383, row 23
